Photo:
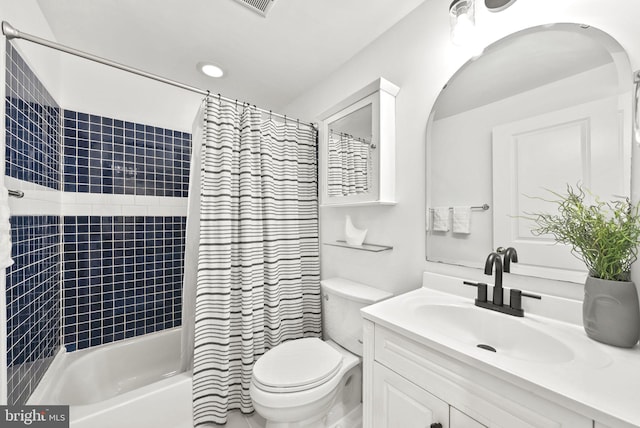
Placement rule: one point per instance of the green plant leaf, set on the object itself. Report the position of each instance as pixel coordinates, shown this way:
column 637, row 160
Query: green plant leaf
column 605, row 235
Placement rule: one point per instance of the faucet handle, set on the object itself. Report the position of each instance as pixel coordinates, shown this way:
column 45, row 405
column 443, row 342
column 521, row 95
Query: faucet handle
column 510, row 255
column 515, row 298
column 482, row 290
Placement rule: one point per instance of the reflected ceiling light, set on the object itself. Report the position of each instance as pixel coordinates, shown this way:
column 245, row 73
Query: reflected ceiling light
column 462, row 19
column 210, row 70
column 498, row 5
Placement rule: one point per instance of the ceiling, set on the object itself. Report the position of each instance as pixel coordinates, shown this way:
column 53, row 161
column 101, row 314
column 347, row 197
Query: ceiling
column 268, row 61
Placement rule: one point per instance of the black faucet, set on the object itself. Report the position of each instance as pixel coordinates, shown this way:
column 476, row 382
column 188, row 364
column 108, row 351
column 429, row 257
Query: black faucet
column 510, row 255
column 515, row 302
column 494, row 259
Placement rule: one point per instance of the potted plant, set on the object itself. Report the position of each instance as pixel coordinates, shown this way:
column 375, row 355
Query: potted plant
column 605, row 235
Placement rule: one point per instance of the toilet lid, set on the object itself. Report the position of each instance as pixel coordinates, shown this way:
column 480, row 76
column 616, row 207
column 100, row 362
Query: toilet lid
column 297, row 365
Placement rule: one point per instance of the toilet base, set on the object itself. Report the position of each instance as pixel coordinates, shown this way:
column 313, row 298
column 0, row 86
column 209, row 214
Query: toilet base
column 346, row 406
column 346, row 397
column 348, row 401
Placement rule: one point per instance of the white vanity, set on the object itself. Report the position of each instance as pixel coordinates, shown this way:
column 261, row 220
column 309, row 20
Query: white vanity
column 423, row 368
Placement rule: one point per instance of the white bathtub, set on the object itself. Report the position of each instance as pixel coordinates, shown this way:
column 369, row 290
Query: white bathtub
column 131, row 383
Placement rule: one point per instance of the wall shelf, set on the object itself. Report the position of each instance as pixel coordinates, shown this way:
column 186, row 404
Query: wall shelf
column 373, row 248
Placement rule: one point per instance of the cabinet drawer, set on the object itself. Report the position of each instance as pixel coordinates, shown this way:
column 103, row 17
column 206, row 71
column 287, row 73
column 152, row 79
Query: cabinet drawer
column 476, row 393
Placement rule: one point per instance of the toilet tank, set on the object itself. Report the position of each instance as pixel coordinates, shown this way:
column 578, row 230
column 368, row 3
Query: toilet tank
column 342, row 300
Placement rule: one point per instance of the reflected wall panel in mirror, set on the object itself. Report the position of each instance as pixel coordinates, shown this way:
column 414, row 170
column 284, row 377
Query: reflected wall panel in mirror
column 541, row 109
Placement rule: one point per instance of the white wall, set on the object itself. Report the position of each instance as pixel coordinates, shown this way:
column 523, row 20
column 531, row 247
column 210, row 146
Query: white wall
column 417, row 55
column 99, row 89
column 25, row 15
column 82, row 85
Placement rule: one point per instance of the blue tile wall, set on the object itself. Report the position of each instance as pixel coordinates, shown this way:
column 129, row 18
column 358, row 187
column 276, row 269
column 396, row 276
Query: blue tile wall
column 32, row 122
column 106, row 155
column 122, row 277
column 32, row 152
column 33, row 302
column 115, row 277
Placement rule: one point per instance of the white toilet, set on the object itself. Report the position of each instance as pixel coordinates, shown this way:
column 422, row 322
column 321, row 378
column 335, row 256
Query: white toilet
column 297, row 383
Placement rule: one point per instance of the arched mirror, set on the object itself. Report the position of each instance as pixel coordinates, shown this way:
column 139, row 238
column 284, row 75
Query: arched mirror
column 538, row 110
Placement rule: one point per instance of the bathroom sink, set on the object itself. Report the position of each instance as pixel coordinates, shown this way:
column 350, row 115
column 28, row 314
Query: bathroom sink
column 492, row 332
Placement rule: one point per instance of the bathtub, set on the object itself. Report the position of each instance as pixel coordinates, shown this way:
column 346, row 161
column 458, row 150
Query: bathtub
column 130, row 383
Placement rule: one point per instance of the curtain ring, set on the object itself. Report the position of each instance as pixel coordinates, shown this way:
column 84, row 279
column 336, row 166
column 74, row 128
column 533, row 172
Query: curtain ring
column 269, row 114
column 298, row 123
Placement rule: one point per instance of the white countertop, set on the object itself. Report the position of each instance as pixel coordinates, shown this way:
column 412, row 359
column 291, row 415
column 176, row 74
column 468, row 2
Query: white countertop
column 598, row 381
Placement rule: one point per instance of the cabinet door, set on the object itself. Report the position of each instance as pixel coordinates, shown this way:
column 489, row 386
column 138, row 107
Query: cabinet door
column 400, row 403
column 460, row 420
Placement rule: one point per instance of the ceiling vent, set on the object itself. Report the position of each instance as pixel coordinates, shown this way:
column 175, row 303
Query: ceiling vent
column 259, row 6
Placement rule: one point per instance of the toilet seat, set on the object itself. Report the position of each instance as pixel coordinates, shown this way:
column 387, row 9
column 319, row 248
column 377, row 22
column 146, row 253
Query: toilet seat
column 297, row 365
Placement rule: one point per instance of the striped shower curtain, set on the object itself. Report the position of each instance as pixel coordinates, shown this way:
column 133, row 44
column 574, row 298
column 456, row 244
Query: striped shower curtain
column 349, row 163
column 258, row 280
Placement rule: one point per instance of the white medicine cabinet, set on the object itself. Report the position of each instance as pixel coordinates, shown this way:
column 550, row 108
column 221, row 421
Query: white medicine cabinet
column 357, row 148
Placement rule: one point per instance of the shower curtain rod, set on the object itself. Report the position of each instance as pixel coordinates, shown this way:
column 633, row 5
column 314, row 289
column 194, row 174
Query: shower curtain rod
column 11, row 32
column 344, row 134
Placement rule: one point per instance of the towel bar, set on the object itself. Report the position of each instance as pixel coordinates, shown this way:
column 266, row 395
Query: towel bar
column 482, row 207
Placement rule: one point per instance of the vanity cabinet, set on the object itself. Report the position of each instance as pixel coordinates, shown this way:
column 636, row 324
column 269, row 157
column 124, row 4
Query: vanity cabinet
column 457, row 419
column 400, row 403
column 409, row 384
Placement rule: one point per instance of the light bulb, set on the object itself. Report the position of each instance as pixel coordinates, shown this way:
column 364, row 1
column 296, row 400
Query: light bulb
column 462, row 21
column 463, row 31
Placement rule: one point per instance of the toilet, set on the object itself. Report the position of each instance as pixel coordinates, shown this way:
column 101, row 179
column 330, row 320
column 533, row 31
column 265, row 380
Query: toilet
column 309, row 382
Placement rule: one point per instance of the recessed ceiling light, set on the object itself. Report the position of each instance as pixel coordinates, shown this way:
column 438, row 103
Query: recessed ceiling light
column 210, row 70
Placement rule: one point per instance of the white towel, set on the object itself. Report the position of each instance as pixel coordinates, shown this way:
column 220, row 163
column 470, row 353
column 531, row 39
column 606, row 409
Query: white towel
column 5, row 229
column 441, row 219
column 462, row 220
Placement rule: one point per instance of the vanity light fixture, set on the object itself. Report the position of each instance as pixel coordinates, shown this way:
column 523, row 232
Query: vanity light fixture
column 498, row 5
column 462, row 20
column 210, row 69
